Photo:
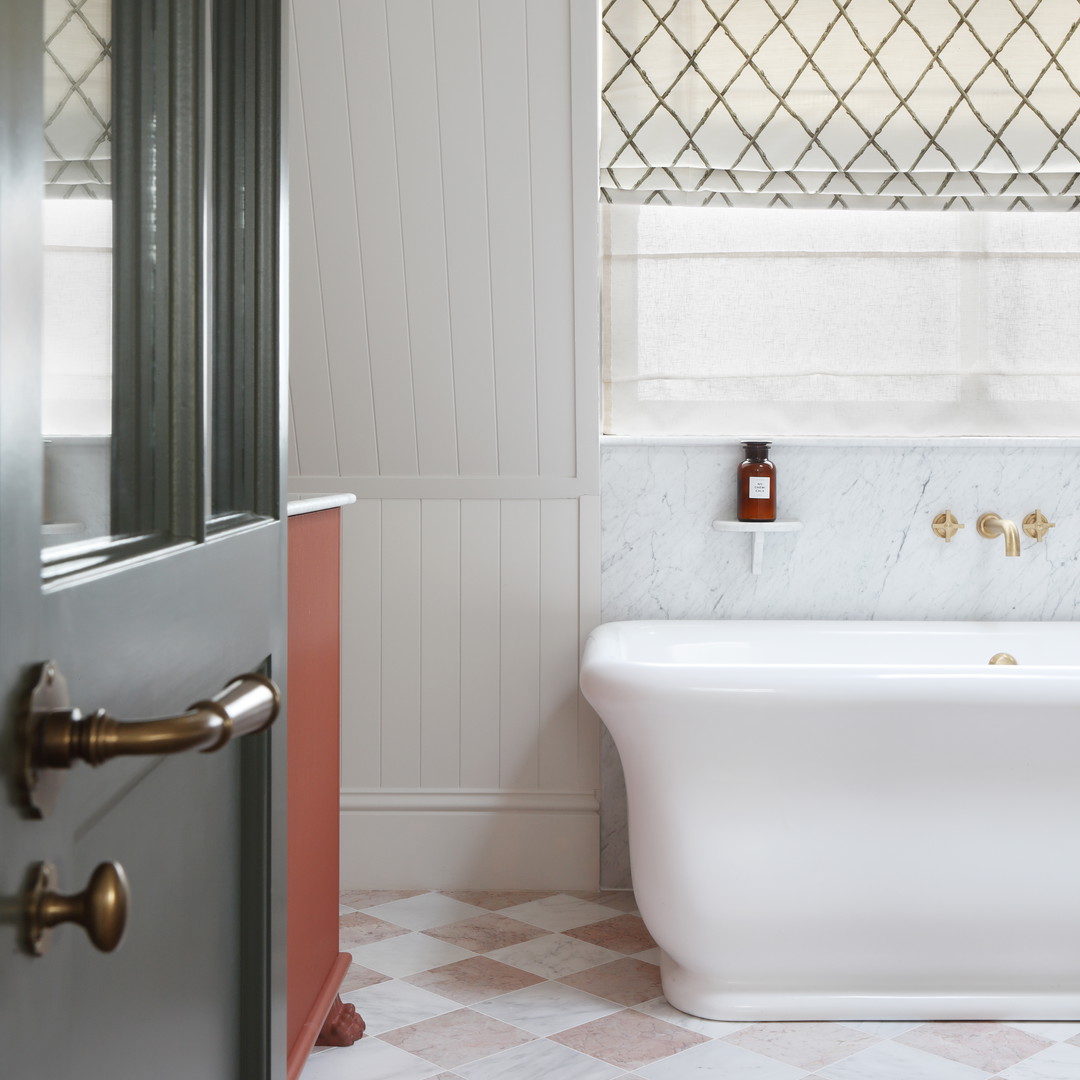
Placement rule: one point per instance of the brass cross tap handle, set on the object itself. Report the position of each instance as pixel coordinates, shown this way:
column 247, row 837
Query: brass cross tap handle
column 1036, row 525
column 946, row 526
column 55, row 735
column 100, row 909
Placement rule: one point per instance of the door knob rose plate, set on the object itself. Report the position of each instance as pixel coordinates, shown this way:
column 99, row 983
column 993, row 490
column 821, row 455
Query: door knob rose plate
column 55, row 736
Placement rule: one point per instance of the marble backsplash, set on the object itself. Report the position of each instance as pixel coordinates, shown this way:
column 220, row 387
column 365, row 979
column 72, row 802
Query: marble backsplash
column 866, row 549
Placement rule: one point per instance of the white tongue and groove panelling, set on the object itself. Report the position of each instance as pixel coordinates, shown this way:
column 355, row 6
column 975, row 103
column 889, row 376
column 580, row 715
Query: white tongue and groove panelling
column 433, row 262
column 444, row 369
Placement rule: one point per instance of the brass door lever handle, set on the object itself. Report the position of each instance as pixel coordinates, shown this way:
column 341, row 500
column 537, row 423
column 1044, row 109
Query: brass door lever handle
column 55, row 736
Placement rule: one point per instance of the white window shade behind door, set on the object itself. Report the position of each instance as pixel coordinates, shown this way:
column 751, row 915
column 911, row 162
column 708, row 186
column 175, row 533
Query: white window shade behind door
column 856, row 323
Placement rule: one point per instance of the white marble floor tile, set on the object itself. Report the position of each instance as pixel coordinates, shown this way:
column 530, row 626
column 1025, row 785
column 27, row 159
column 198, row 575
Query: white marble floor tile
column 368, row 1059
column 547, row 1007
column 887, row 1029
column 662, row 1010
column 343, row 910
column 540, row 1060
column 424, row 911
column 394, row 1004
column 1055, row 1030
column 650, row 956
column 894, row 1061
column 1060, row 1062
column 559, row 912
column 407, row 954
column 721, row 1061
column 554, row 956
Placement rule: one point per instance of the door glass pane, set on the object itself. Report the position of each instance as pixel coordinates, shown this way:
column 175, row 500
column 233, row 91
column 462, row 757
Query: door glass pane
column 243, row 416
column 77, row 345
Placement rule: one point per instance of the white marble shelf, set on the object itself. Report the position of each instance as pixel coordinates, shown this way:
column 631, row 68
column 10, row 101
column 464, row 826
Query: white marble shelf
column 757, row 529
column 308, row 504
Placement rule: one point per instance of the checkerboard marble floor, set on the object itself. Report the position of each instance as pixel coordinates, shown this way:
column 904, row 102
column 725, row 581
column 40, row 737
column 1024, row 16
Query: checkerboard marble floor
column 558, row 986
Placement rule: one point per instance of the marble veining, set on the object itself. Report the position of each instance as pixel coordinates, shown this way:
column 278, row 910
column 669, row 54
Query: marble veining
column 866, row 550
column 591, row 1035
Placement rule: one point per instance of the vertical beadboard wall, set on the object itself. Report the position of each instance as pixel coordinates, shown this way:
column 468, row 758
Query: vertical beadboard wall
column 444, row 368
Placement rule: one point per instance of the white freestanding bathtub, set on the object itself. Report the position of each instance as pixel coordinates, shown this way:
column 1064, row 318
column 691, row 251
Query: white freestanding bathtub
column 845, row 820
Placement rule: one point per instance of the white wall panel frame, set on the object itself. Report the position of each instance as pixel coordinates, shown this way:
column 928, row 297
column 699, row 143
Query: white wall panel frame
column 552, row 233
column 558, row 651
column 585, row 136
column 464, row 416
column 434, row 487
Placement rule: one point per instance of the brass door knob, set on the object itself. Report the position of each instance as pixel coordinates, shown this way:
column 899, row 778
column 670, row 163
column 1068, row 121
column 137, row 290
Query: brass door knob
column 100, row 909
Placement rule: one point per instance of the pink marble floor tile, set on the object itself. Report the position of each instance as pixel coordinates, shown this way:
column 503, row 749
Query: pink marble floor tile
column 486, row 933
column 359, row 898
column 472, row 980
column 983, row 1045
column 807, row 1045
column 359, row 929
column 357, row 977
column 496, row 899
column 627, row 981
column 623, row 933
column 628, row 1039
column 456, row 1038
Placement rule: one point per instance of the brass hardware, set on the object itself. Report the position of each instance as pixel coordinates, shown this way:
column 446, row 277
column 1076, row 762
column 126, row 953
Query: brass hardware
column 1037, row 526
column 100, row 909
column 992, row 526
column 1002, row 658
column 55, row 735
column 945, row 525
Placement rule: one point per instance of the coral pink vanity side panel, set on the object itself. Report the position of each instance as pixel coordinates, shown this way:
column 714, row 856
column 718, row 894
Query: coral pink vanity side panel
column 314, row 704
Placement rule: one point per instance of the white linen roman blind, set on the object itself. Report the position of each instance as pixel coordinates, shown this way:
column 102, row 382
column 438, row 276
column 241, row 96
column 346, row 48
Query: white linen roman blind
column 78, row 108
column 923, row 104
column 76, row 352
column 734, row 304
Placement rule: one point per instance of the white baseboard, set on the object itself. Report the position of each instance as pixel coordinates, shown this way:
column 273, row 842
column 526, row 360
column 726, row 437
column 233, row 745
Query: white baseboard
column 459, row 839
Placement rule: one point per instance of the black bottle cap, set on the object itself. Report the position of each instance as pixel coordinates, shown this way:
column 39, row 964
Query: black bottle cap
column 756, row 445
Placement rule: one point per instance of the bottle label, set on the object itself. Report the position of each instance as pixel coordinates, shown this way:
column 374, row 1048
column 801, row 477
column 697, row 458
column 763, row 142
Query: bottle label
column 759, row 487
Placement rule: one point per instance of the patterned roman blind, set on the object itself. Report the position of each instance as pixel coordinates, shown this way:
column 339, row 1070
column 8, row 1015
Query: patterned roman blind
column 78, row 107
column 905, row 104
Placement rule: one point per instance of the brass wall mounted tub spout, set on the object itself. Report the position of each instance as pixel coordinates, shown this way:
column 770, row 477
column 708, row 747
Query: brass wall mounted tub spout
column 992, row 526
column 1002, row 658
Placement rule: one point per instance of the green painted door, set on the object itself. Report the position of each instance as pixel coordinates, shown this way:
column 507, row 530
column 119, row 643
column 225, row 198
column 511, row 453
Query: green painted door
column 145, row 554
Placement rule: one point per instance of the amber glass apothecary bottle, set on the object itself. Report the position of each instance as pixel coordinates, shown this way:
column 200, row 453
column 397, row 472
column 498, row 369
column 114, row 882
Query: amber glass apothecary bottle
column 757, row 484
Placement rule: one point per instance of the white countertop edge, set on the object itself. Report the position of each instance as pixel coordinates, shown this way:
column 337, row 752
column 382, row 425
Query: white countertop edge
column 308, row 504
column 955, row 441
